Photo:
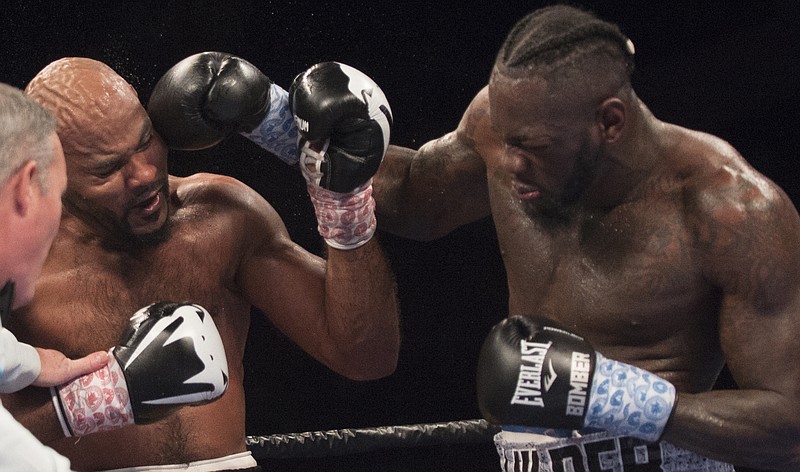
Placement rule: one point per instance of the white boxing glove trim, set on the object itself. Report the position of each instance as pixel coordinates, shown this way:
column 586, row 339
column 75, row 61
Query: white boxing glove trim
column 371, row 94
column 60, row 413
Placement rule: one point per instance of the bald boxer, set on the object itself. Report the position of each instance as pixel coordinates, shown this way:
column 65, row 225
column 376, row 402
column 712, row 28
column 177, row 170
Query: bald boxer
column 131, row 234
column 658, row 246
column 33, row 172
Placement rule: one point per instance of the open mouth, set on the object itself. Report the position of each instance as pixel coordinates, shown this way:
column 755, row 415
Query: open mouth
column 149, row 205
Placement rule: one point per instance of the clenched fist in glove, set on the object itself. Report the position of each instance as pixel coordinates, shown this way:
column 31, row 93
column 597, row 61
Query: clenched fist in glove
column 209, row 96
column 170, row 356
column 535, row 374
column 344, row 121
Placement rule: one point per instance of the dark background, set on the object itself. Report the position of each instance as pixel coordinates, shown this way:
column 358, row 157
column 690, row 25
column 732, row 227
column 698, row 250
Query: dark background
column 728, row 68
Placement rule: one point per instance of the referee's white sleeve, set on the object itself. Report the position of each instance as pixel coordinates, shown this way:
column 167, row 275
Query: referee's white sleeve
column 20, row 451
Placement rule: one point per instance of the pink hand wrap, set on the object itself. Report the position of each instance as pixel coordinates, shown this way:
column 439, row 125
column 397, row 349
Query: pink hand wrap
column 346, row 220
column 94, row 402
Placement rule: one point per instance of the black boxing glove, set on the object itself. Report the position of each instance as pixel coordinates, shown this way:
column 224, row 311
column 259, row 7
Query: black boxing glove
column 209, row 96
column 171, row 355
column 344, row 122
column 535, row 374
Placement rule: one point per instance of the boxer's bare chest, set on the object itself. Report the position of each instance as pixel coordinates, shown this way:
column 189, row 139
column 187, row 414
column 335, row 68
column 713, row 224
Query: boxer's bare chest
column 87, row 293
column 625, row 277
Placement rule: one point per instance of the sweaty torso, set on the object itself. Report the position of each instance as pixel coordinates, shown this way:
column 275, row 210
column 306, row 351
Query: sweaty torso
column 628, row 278
column 84, row 300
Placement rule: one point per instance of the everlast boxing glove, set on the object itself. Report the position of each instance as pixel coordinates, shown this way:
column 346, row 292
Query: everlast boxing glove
column 171, row 355
column 209, row 96
column 344, row 121
column 532, row 373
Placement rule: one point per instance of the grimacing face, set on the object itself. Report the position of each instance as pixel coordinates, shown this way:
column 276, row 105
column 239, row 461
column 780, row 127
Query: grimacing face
column 117, row 170
column 550, row 151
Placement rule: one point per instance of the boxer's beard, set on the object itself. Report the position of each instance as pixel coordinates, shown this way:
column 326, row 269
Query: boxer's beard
column 121, row 235
column 161, row 234
column 564, row 206
column 152, row 238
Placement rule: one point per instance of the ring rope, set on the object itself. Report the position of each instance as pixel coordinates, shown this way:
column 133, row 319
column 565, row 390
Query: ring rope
column 339, row 442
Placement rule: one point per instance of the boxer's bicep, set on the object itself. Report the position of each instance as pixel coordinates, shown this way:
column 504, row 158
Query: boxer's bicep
column 339, row 312
column 274, row 260
column 284, row 281
column 758, row 324
column 746, row 240
column 755, row 262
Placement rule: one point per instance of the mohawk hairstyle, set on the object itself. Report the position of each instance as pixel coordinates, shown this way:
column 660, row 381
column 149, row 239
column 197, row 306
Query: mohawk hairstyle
column 558, row 35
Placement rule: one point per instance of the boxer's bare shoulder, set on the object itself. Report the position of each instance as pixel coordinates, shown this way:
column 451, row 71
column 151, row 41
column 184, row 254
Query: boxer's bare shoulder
column 723, row 198
column 203, row 194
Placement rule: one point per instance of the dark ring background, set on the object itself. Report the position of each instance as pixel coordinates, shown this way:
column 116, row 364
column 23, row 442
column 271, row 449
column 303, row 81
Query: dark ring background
column 728, row 68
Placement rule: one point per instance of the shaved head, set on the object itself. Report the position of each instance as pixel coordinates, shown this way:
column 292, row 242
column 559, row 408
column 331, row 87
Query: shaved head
column 80, row 92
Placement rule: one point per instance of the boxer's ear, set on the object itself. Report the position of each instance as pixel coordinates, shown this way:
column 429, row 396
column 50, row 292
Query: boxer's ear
column 611, row 116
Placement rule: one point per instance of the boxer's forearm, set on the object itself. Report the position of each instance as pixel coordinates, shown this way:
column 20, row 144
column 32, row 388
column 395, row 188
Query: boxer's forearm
column 389, row 190
column 33, row 407
column 750, row 428
column 426, row 194
column 400, row 196
column 362, row 311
